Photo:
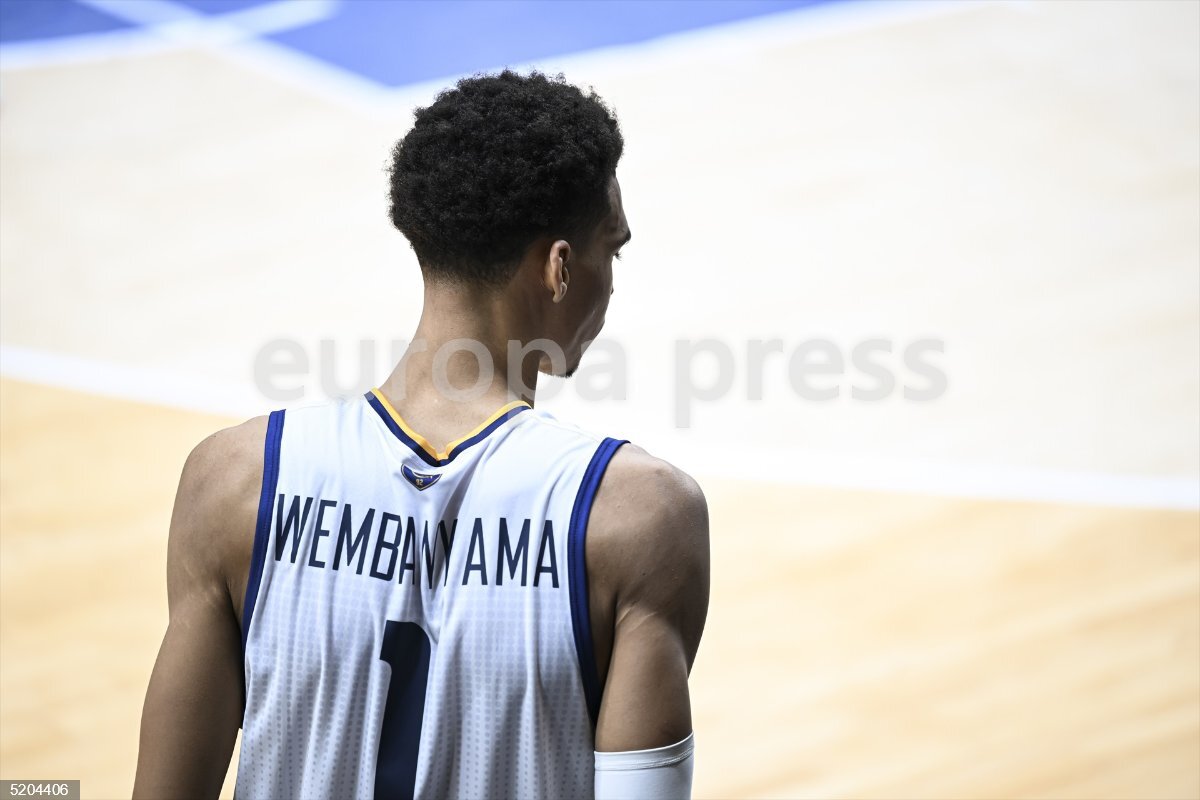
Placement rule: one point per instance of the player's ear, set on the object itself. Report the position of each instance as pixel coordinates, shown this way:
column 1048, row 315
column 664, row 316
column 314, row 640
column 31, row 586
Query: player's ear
column 556, row 273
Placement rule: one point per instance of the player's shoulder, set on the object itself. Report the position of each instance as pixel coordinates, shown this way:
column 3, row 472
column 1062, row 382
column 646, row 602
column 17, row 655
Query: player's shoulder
column 651, row 484
column 546, row 424
column 216, row 506
column 229, row 450
column 223, row 473
column 229, row 462
column 647, row 507
column 638, row 485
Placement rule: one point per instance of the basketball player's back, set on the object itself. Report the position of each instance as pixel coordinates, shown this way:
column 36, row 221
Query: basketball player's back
column 421, row 615
column 505, row 606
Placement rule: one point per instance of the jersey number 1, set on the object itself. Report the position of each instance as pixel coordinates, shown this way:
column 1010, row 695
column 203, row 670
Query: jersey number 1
column 406, row 649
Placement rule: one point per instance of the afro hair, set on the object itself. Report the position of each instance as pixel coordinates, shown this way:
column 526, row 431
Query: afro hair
column 496, row 162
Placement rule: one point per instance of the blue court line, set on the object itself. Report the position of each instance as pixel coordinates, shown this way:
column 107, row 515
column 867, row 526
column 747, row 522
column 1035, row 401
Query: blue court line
column 399, row 42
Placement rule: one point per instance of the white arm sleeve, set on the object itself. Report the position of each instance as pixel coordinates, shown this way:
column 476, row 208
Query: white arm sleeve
column 664, row 773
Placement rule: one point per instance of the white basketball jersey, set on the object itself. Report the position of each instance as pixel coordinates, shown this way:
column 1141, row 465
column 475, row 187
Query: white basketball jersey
column 416, row 622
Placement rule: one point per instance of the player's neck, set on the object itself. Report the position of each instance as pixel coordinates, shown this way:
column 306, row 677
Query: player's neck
column 459, row 329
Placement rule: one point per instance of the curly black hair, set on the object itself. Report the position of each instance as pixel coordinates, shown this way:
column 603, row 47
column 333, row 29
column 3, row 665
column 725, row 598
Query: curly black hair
column 496, row 162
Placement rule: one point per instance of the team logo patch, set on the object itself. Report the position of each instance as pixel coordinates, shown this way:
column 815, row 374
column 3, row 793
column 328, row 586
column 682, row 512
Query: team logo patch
column 421, row 480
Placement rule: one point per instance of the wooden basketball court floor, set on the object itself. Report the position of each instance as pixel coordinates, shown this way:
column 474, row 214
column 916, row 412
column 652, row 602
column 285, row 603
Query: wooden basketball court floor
column 994, row 594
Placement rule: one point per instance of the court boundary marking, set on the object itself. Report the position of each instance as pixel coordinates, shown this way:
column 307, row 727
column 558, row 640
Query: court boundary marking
column 191, row 392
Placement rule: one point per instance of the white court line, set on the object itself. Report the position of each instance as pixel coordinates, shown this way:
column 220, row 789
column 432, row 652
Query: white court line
column 126, row 382
column 966, row 480
column 162, row 25
column 280, row 15
column 771, row 465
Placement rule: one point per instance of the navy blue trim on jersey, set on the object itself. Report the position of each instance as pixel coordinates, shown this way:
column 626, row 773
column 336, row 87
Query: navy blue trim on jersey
column 581, row 620
column 262, row 531
column 458, row 447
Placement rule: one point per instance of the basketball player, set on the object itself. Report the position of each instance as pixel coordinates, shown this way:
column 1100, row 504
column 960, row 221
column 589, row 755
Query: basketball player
column 433, row 592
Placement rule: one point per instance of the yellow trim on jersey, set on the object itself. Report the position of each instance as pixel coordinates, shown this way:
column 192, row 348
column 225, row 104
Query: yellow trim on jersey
column 424, row 443
column 479, row 429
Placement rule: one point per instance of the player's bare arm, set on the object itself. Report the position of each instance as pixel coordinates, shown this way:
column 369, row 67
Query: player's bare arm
column 648, row 567
column 193, row 704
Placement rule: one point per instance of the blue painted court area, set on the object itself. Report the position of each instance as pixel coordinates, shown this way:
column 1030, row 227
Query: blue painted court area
column 398, row 42
column 407, row 42
column 31, row 20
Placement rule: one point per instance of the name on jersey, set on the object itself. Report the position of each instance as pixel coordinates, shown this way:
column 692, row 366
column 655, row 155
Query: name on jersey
column 392, row 547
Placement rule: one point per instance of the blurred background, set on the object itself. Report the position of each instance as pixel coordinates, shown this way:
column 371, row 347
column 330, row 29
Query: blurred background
column 965, row 563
